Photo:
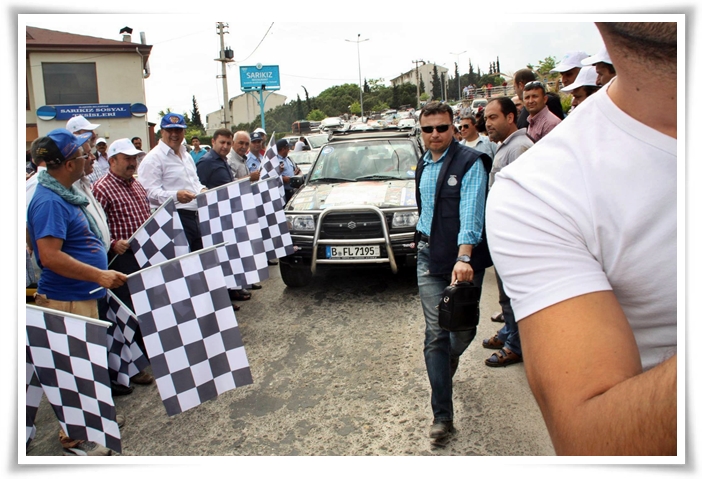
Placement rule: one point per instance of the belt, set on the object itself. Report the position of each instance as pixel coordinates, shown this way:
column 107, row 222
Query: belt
column 423, row 237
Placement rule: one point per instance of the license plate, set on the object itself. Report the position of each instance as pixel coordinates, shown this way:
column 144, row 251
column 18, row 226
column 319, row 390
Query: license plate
column 352, row 252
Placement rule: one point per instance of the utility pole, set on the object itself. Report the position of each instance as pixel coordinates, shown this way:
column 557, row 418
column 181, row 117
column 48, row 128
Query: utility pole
column 225, row 56
column 358, row 51
column 416, row 69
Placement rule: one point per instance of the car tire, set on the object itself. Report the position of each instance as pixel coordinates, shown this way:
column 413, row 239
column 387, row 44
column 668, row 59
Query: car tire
column 295, row 276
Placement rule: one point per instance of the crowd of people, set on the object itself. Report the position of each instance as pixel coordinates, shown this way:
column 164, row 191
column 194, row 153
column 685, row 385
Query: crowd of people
column 579, row 210
column 580, row 214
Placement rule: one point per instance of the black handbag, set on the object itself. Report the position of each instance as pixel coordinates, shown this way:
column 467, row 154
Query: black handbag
column 459, row 307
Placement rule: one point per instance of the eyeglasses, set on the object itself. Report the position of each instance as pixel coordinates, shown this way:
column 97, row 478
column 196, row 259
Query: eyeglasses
column 465, row 127
column 439, row 128
column 83, row 157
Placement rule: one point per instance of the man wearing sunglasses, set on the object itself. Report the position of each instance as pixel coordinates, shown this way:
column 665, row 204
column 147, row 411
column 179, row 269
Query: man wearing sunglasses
column 471, row 137
column 541, row 120
column 583, row 230
column 451, row 185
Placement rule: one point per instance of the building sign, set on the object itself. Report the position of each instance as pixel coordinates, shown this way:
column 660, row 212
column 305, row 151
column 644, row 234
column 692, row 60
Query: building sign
column 259, row 77
column 112, row 110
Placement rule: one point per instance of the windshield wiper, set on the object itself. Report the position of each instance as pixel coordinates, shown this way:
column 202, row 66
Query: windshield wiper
column 331, row 180
column 377, row 177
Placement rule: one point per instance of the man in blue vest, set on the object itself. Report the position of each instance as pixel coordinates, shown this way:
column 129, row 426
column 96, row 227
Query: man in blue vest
column 451, row 188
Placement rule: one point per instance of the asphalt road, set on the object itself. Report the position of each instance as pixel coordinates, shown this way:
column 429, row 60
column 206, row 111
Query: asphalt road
column 338, row 370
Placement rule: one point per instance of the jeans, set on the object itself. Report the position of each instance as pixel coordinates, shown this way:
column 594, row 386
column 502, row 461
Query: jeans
column 509, row 334
column 440, row 346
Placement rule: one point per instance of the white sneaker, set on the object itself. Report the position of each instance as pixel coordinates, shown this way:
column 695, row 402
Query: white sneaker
column 87, row 448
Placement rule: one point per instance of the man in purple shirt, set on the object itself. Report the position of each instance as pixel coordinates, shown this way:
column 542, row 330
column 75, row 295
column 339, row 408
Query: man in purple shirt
column 541, row 120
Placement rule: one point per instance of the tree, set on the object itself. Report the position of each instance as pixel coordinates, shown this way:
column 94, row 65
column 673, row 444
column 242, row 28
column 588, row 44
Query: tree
column 196, row 120
column 355, row 108
column 299, row 109
column 543, row 70
column 435, row 84
column 316, row 115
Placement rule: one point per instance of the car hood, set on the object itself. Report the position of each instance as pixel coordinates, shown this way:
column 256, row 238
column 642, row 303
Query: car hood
column 385, row 194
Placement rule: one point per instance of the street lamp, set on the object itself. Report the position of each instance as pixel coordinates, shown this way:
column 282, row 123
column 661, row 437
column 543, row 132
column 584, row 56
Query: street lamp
column 458, row 79
column 358, row 51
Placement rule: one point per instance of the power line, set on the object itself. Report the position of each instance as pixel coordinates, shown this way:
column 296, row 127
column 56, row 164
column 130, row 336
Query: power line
column 259, row 43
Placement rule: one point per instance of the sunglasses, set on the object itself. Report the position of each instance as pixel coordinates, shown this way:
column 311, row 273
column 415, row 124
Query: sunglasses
column 534, row 83
column 439, row 128
column 465, row 127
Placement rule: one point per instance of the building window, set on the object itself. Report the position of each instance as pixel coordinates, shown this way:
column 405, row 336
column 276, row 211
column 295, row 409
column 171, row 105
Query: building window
column 70, row 83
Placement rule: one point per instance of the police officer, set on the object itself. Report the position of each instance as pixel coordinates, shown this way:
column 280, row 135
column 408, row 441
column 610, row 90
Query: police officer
column 286, row 167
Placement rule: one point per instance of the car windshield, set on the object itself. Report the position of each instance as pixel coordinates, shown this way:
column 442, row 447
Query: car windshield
column 317, row 141
column 303, row 157
column 366, row 160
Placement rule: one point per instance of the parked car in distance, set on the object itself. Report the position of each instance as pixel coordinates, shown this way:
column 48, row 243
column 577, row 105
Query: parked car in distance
column 406, row 124
column 477, row 103
column 331, row 123
column 356, row 207
column 315, row 140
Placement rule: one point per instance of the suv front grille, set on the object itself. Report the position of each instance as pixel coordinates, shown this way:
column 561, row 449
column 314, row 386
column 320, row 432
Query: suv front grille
column 351, row 226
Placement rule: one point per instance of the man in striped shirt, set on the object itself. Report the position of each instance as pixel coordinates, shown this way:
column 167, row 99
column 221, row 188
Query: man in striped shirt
column 451, row 187
column 126, row 205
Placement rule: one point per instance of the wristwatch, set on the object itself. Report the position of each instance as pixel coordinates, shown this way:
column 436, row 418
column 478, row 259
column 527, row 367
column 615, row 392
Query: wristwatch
column 464, row 257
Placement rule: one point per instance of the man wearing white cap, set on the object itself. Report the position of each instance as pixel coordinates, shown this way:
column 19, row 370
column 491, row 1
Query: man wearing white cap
column 569, row 67
column 585, row 84
column 101, row 164
column 262, row 132
column 603, row 66
column 126, row 206
column 78, row 125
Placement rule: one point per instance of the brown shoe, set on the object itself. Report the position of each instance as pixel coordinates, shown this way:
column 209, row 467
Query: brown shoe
column 493, row 343
column 142, row 378
column 503, row 357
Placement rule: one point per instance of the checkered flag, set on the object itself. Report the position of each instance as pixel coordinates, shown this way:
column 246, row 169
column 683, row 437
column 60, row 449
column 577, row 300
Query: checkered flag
column 271, row 217
column 268, row 167
column 69, row 355
column 124, row 356
column 160, row 238
column 34, row 394
column 228, row 215
column 189, row 329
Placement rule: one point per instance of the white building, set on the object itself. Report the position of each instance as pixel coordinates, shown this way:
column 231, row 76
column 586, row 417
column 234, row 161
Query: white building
column 69, row 75
column 244, row 109
column 425, row 73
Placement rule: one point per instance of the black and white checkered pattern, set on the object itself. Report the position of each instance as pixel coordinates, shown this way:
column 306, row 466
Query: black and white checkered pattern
column 34, row 394
column 271, row 217
column 160, row 238
column 269, row 165
column 124, row 356
column 228, row 215
column 189, row 329
column 69, row 355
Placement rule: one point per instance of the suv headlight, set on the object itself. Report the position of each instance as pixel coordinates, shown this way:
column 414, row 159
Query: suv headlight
column 405, row 219
column 300, row 222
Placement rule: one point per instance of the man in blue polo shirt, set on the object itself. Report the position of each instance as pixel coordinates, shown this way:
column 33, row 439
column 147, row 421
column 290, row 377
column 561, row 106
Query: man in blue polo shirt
column 67, row 242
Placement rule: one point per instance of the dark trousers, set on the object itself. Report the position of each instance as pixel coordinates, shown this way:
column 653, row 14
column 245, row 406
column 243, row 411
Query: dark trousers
column 191, row 225
column 124, row 263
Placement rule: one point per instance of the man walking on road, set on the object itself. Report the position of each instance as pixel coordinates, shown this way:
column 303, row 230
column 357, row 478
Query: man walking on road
column 451, row 189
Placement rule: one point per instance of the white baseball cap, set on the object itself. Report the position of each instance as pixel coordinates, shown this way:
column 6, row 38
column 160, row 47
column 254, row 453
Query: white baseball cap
column 260, row 130
column 124, row 145
column 587, row 76
column 101, row 140
column 570, row 60
column 78, row 123
column 601, row 56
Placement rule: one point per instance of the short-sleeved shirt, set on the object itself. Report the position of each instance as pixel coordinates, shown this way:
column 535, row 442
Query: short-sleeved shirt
column 253, row 162
column 50, row 216
column 197, row 155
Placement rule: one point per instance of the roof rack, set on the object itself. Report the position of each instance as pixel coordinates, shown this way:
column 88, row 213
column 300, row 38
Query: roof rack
column 375, row 133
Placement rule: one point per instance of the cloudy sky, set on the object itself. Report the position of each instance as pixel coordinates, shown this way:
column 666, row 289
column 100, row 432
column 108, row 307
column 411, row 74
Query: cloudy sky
column 319, row 54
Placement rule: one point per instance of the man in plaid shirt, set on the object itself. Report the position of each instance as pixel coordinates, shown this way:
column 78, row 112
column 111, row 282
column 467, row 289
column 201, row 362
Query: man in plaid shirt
column 126, row 205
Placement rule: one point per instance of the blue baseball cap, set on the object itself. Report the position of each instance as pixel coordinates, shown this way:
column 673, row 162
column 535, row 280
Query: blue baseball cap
column 58, row 145
column 173, row 120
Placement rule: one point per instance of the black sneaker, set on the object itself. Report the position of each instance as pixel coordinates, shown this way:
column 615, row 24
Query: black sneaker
column 441, row 429
column 120, row 390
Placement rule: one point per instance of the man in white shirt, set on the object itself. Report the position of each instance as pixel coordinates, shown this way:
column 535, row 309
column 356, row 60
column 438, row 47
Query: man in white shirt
column 583, row 230
column 102, row 163
column 471, row 138
column 168, row 171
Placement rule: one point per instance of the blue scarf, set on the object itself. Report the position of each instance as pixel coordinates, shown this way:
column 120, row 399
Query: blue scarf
column 72, row 196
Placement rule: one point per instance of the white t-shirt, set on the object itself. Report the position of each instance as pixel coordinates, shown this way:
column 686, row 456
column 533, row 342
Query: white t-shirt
column 593, row 207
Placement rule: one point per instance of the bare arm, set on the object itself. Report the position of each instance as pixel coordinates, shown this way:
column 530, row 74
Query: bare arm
column 56, row 260
column 584, row 369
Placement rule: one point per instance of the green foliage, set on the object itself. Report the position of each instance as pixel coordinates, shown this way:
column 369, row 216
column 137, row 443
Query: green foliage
column 382, row 106
column 424, row 96
column 355, row 108
column 543, row 70
column 566, row 102
column 318, row 115
column 196, row 121
column 435, row 84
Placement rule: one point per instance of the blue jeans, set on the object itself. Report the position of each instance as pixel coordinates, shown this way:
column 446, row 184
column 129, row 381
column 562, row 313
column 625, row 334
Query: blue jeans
column 440, row 346
column 509, row 334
